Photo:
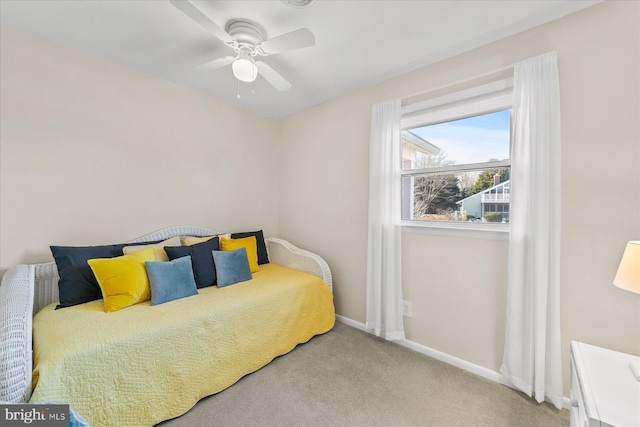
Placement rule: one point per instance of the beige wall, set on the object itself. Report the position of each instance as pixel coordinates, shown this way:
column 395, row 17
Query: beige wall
column 92, row 152
column 458, row 286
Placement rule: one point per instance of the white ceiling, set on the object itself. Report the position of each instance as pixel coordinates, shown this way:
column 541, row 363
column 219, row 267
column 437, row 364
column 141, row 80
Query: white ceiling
column 358, row 42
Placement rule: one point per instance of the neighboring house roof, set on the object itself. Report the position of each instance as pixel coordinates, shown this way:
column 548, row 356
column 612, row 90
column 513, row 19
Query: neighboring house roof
column 420, row 144
column 502, row 184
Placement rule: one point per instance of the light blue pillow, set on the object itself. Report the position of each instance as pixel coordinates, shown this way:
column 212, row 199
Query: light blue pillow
column 170, row 280
column 231, row 266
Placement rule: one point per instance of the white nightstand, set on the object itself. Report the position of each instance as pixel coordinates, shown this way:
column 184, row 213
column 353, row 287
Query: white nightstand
column 603, row 389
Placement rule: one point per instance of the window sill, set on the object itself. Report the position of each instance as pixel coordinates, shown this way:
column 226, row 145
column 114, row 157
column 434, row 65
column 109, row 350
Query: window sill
column 486, row 231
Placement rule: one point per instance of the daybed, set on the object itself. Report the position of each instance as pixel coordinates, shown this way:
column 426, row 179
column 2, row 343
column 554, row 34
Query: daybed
column 145, row 364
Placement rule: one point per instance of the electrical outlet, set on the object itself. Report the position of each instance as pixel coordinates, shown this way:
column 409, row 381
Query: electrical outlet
column 406, row 309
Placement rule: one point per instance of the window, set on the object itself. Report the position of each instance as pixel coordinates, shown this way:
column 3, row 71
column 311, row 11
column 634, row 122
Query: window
column 456, row 158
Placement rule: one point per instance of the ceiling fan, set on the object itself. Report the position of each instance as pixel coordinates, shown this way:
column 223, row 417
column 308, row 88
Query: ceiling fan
column 247, row 39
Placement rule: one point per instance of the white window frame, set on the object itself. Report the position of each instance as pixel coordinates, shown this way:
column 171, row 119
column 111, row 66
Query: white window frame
column 484, row 99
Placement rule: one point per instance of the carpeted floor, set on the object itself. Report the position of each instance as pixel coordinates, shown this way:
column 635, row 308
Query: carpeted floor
column 347, row 377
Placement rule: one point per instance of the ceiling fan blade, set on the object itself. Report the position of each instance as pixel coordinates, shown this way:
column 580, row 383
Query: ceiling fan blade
column 192, row 12
column 272, row 76
column 216, row 63
column 290, row 41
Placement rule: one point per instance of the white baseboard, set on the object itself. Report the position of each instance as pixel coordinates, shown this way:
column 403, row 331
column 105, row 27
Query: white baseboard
column 350, row 322
column 447, row 358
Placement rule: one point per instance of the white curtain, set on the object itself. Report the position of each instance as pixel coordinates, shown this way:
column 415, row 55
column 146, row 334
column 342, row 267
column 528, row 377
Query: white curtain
column 384, row 275
column 532, row 356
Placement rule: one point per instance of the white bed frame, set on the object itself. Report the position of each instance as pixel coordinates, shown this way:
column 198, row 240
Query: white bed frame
column 26, row 289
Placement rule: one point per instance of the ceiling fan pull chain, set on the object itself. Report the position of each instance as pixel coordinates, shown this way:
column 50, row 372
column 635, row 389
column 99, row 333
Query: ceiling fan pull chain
column 238, row 88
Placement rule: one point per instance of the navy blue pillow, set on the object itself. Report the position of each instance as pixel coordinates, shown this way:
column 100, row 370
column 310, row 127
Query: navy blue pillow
column 201, row 259
column 263, row 257
column 171, row 280
column 232, row 266
column 77, row 283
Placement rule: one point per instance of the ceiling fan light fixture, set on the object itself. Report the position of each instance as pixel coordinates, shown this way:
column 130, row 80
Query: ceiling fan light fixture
column 244, row 69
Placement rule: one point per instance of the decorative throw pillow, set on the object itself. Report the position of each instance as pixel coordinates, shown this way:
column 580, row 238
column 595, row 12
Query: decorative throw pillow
column 171, row 280
column 77, row 283
column 123, row 279
column 232, row 266
column 263, row 257
column 161, row 255
column 192, row 240
column 246, row 242
column 204, row 271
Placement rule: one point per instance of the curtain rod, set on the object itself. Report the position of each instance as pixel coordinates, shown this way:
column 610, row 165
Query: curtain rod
column 459, row 82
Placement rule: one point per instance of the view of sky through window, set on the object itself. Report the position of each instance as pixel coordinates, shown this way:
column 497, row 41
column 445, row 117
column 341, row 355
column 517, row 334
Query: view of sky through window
column 473, row 140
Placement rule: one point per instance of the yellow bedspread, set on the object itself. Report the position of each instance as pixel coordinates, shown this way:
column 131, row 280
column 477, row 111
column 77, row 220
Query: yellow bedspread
column 143, row 364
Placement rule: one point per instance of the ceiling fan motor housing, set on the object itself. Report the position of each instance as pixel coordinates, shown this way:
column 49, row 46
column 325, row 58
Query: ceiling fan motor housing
column 246, row 34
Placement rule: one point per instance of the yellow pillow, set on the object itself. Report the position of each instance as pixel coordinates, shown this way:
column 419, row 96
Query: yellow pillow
column 161, row 255
column 191, row 240
column 123, row 280
column 249, row 243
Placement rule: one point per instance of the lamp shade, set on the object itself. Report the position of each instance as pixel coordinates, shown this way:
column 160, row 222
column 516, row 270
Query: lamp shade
column 244, row 69
column 628, row 275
